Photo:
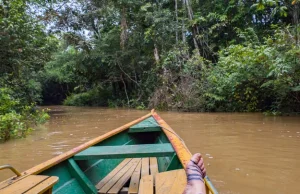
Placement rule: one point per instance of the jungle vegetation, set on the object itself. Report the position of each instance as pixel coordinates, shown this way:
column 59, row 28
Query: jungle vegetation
column 188, row 55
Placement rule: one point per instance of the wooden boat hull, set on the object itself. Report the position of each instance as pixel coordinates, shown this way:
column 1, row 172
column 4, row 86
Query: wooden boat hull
column 81, row 168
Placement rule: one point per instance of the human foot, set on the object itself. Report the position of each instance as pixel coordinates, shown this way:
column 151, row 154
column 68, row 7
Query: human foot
column 195, row 173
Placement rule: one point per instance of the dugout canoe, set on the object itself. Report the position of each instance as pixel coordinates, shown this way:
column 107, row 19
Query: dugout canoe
column 127, row 159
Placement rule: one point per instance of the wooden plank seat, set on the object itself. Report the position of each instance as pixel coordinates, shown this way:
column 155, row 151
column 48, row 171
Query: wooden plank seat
column 128, row 171
column 31, row 184
column 128, row 151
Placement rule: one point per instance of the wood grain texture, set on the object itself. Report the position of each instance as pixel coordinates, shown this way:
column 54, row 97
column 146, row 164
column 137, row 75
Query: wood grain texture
column 153, row 166
column 145, row 167
column 10, row 182
column 163, row 182
column 170, row 182
column 179, row 183
column 140, row 187
column 135, row 180
column 146, row 185
column 113, row 173
column 44, row 186
column 115, row 179
column 122, row 181
column 24, row 185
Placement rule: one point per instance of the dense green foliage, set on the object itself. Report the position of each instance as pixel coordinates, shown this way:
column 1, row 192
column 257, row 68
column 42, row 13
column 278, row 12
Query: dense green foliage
column 16, row 119
column 24, row 49
column 185, row 55
column 257, row 76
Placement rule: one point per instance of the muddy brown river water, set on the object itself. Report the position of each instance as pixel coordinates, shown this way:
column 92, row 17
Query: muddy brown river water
column 243, row 152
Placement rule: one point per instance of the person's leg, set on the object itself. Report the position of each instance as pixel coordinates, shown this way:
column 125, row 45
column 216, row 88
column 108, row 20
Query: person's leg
column 195, row 173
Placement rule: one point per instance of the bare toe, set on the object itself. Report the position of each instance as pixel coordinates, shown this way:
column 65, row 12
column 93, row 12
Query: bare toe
column 196, row 158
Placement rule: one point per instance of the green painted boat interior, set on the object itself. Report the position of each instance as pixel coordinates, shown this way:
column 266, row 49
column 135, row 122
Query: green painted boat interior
column 80, row 173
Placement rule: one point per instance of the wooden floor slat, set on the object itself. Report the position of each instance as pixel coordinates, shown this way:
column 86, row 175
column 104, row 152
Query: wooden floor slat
column 145, row 167
column 135, row 180
column 119, row 174
column 122, row 181
column 113, row 173
column 170, row 182
column 163, row 182
column 146, row 185
column 144, row 178
column 179, row 183
column 153, row 166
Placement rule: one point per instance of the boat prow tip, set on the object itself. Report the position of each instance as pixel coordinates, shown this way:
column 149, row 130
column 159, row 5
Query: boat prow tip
column 152, row 111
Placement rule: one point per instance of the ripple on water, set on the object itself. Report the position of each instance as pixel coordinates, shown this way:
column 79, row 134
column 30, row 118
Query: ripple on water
column 57, row 153
column 60, row 142
column 55, row 133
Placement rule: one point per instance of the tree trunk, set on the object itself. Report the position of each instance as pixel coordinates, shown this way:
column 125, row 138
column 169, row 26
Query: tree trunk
column 176, row 14
column 183, row 25
column 125, row 89
column 156, row 55
column 296, row 21
column 123, row 36
column 194, row 28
